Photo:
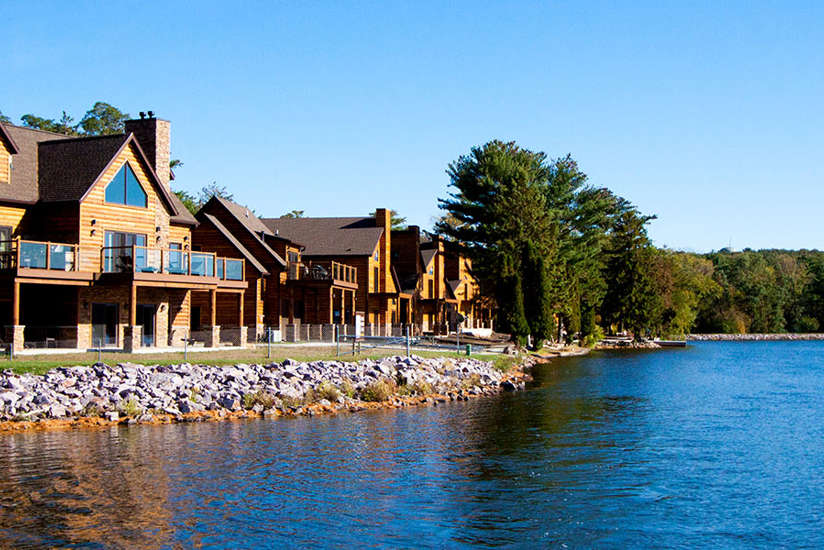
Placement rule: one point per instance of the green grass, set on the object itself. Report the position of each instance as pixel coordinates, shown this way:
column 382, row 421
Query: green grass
column 40, row 364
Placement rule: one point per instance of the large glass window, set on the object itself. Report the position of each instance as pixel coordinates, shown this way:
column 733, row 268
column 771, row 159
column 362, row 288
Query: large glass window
column 125, row 189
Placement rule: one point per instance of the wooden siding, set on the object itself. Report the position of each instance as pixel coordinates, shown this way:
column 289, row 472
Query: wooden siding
column 11, row 216
column 5, row 156
column 152, row 221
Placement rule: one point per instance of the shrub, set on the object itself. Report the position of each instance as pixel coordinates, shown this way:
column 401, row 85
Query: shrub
column 347, row 389
column 380, row 390
column 473, row 380
column 129, row 407
column 260, row 397
column 505, row 362
column 289, row 402
column 91, row 410
column 328, row 391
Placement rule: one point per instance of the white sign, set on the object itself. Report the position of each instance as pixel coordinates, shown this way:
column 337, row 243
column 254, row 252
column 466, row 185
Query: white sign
column 358, row 325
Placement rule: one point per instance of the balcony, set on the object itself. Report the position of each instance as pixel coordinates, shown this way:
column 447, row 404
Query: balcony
column 332, row 272
column 165, row 261
column 49, row 260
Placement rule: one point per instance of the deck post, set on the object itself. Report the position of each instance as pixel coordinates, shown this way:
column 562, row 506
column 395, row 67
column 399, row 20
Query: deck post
column 133, row 333
column 213, row 307
column 16, row 303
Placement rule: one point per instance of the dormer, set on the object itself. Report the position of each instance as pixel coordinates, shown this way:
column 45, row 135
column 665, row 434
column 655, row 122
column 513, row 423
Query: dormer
column 7, row 151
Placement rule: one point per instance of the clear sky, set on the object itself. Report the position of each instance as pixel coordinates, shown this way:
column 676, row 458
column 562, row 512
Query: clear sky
column 708, row 114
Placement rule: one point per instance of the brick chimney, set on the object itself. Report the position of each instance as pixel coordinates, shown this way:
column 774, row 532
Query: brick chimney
column 383, row 219
column 154, row 136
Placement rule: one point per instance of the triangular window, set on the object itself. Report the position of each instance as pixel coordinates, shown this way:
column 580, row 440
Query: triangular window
column 125, row 189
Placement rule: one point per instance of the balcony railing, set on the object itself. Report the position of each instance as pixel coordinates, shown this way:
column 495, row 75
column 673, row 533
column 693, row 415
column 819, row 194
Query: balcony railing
column 26, row 254
column 38, row 255
column 322, row 271
column 169, row 261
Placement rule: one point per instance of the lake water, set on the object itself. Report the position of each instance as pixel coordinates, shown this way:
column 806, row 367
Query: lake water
column 716, row 445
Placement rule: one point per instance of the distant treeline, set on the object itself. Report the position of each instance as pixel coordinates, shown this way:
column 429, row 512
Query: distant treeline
column 563, row 258
column 762, row 291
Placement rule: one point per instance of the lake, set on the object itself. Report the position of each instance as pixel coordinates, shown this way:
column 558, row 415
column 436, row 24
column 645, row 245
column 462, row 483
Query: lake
column 715, row 445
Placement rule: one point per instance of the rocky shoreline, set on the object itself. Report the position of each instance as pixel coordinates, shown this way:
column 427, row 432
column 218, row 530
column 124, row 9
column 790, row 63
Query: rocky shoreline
column 787, row 337
column 128, row 393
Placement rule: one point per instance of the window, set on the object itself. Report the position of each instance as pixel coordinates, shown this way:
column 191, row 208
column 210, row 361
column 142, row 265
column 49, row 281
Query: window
column 377, row 279
column 431, row 289
column 118, row 251
column 125, row 189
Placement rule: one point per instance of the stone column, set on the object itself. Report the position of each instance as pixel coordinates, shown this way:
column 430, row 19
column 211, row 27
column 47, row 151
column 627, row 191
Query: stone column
column 244, row 334
column 132, row 338
column 15, row 335
column 212, row 336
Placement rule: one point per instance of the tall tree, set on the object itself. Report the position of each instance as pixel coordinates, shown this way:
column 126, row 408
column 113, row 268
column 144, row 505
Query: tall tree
column 103, row 119
column 293, row 214
column 195, row 202
column 629, row 301
column 64, row 125
column 497, row 209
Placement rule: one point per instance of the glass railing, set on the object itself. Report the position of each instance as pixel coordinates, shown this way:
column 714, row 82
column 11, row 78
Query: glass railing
column 203, row 264
column 33, row 255
column 326, row 271
column 141, row 259
column 234, row 270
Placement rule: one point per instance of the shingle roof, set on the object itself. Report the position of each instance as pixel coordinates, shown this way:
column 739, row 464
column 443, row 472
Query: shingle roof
column 69, row 167
column 23, row 187
column 53, row 167
column 245, row 216
column 251, row 222
column 12, row 146
column 237, row 244
column 329, row 236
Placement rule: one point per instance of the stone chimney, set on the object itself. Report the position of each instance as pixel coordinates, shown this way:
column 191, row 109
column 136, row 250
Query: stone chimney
column 383, row 219
column 154, row 136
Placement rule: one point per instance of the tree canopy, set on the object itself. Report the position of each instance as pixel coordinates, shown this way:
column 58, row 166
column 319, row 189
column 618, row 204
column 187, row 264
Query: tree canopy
column 101, row 119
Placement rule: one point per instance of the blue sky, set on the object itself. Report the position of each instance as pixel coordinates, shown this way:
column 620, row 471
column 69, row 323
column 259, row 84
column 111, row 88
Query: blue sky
column 708, row 114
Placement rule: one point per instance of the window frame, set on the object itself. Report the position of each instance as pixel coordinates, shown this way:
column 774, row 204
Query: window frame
column 125, row 169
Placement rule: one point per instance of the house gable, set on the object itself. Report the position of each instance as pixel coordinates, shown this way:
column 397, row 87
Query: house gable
column 98, row 215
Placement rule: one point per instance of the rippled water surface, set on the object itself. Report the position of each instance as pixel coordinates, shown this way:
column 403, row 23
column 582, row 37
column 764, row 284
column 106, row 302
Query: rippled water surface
column 717, row 445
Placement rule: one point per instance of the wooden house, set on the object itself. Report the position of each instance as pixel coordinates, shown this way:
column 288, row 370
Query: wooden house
column 284, row 288
column 364, row 244
column 438, row 277
column 95, row 249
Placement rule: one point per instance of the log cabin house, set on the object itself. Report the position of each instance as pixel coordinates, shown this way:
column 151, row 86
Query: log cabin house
column 284, row 288
column 95, row 249
column 438, row 276
column 364, row 244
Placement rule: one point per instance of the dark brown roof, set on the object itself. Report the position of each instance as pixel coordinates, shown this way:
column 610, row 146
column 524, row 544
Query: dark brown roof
column 11, row 145
column 246, row 217
column 52, row 167
column 183, row 215
column 237, row 244
column 251, row 222
column 329, row 236
column 23, row 187
column 69, row 167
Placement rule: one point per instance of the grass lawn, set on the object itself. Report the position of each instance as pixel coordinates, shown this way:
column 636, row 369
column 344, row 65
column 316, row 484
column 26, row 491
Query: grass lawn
column 39, row 364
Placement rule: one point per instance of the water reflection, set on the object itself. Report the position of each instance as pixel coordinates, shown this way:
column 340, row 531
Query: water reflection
column 671, row 450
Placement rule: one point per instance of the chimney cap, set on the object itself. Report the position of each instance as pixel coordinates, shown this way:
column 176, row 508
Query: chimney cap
column 151, row 114
column 142, row 114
